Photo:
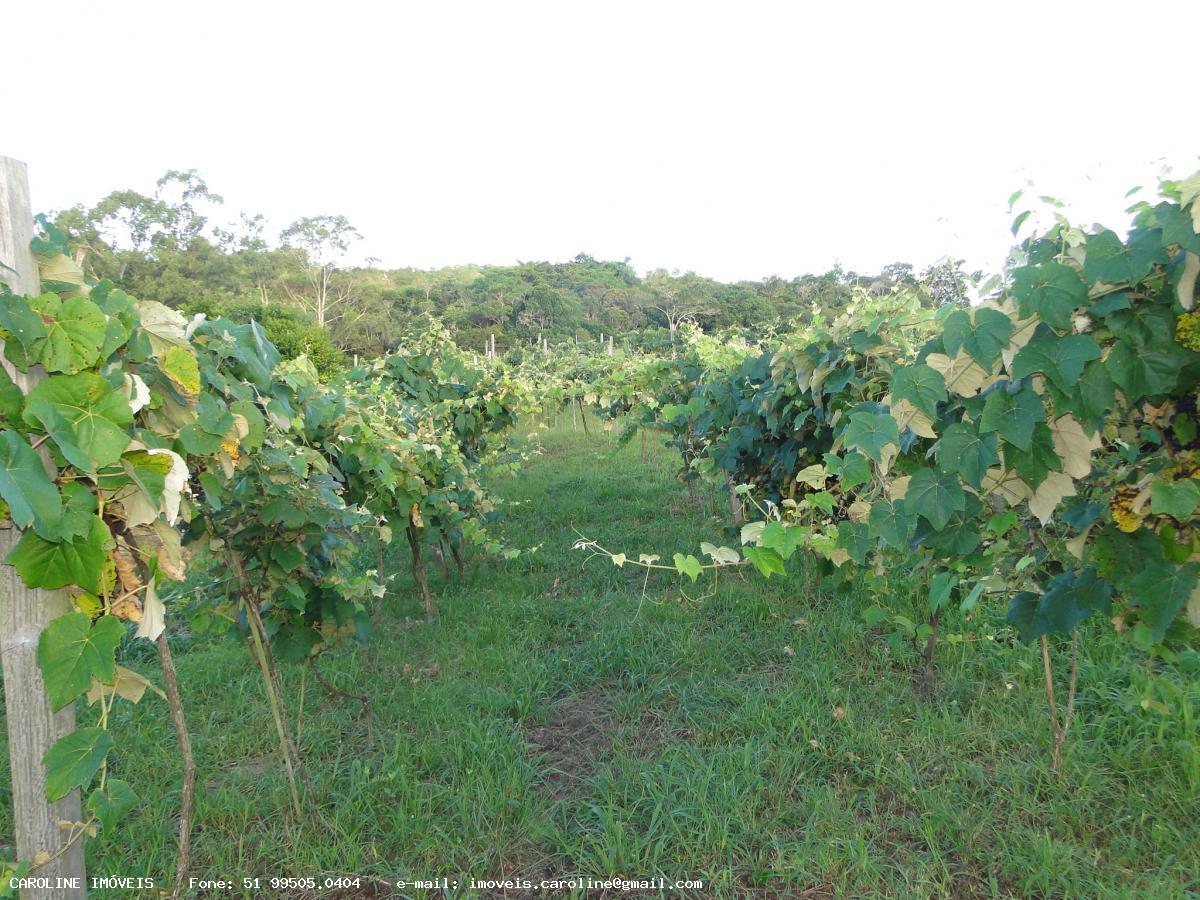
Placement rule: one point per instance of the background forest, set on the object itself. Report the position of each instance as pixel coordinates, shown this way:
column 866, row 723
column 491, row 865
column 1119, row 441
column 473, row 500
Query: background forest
column 302, row 286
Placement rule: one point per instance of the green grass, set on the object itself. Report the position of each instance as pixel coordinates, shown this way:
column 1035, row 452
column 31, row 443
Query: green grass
column 556, row 722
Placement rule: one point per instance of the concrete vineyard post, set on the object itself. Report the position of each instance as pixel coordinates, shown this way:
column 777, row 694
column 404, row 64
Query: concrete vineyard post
column 24, row 612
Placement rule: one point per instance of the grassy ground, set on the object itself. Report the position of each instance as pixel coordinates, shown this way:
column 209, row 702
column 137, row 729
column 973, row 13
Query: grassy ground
column 756, row 736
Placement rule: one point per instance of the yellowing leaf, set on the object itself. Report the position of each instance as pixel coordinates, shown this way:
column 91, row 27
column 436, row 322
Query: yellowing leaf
column 859, row 511
column 1008, row 485
column 1076, row 544
column 154, row 615
column 908, row 416
column 1186, row 289
column 1074, row 446
column 813, row 476
column 1049, row 494
column 173, row 484
column 963, row 375
column 60, row 268
column 899, row 487
column 752, row 532
column 180, row 366
column 722, row 556
column 128, row 684
column 163, row 326
column 136, row 391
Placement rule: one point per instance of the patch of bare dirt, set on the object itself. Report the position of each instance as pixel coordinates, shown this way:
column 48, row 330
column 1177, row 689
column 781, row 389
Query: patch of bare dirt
column 571, row 745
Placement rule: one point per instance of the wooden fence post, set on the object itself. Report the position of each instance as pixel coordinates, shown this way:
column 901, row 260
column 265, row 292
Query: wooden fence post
column 32, row 726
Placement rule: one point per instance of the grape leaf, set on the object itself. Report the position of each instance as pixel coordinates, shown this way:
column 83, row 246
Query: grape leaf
column 1177, row 499
column 1111, row 261
column 1014, row 415
column 891, row 521
column 687, row 565
column 72, row 651
column 922, row 386
column 1069, row 599
column 934, row 495
column 966, row 452
column 75, row 330
column 871, row 432
column 1061, row 359
column 766, row 560
column 983, row 336
column 1050, row 290
column 86, row 418
column 73, row 761
column 31, row 496
column 53, row 565
column 111, row 802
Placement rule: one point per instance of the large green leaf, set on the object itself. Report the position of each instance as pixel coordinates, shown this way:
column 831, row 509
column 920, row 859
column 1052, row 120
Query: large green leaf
column 1035, row 463
column 781, row 539
column 53, row 565
column 766, row 560
column 75, row 331
column 851, row 471
column 21, row 321
column 12, row 399
column 1161, row 590
column 86, row 418
column 1013, row 414
column 1070, row 598
column 73, row 761
column 871, row 432
column 1146, row 370
column 921, row 386
column 934, row 495
column 966, row 452
column 1177, row 499
column 1089, row 399
column 891, row 521
column 982, row 335
column 31, row 496
column 72, row 651
column 1177, row 226
column 1050, row 290
column 1061, row 359
column 1111, row 261
column 287, row 556
column 855, row 539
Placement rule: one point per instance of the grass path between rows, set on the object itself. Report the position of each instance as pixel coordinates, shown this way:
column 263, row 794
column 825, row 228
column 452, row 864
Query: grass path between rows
column 752, row 734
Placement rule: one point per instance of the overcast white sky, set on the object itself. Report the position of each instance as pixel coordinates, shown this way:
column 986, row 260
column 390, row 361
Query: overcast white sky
column 736, row 139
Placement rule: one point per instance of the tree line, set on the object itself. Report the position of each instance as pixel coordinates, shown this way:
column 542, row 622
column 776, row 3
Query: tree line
column 301, row 284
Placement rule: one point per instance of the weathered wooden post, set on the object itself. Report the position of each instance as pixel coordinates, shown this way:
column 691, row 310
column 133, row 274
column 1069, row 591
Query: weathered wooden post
column 24, row 612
